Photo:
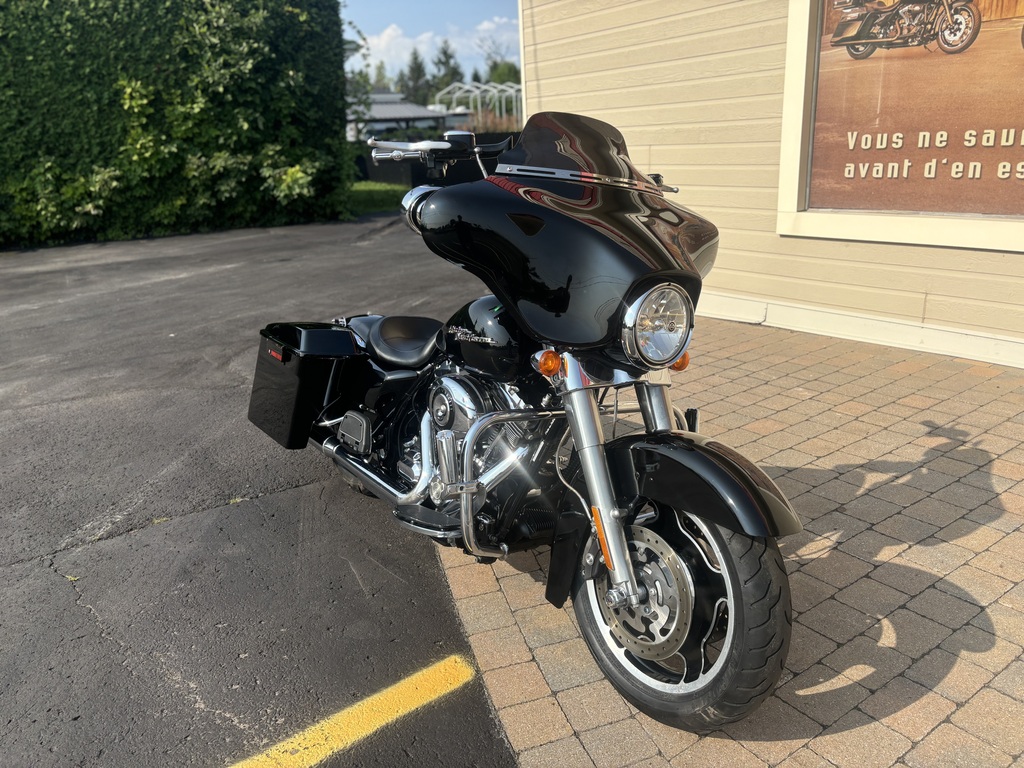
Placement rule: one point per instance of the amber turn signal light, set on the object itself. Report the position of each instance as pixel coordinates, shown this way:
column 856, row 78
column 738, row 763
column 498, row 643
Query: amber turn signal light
column 681, row 363
column 596, row 516
column 548, row 363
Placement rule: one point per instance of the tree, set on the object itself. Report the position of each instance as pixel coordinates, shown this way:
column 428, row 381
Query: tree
column 381, row 81
column 503, row 72
column 124, row 118
column 446, row 68
column 358, row 84
column 413, row 81
column 358, row 87
column 500, row 67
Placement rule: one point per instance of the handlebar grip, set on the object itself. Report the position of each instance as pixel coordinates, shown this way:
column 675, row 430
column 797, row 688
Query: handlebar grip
column 407, row 146
column 393, row 154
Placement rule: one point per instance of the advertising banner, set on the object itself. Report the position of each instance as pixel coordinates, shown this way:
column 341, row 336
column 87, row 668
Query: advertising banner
column 918, row 109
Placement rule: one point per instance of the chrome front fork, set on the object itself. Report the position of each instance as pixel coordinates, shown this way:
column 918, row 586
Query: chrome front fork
column 948, row 7
column 580, row 401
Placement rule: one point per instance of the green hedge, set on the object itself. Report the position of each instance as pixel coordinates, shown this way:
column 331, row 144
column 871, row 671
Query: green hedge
column 125, row 118
column 377, row 197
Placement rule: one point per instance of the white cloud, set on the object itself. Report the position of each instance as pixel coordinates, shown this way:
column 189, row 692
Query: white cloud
column 393, row 46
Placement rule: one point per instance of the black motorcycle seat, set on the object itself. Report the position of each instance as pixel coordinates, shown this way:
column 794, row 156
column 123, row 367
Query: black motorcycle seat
column 404, row 341
column 362, row 325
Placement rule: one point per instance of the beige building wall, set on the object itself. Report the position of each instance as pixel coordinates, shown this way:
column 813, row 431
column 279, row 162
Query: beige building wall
column 697, row 90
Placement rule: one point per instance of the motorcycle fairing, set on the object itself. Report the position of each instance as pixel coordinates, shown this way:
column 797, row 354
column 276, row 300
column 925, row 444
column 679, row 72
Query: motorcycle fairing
column 687, row 472
column 605, row 238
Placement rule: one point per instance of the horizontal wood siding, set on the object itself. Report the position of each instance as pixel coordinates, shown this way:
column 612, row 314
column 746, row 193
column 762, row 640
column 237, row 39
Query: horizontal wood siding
column 697, row 92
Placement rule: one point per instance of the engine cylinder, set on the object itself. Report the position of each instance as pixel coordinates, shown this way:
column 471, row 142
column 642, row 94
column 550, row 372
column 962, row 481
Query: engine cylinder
column 456, row 402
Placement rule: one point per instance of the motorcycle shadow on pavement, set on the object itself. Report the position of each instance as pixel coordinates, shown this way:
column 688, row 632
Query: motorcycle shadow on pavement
column 884, row 613
column 878, row 629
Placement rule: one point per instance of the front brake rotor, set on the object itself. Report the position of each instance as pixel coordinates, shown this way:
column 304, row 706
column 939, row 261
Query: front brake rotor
column 657, row 627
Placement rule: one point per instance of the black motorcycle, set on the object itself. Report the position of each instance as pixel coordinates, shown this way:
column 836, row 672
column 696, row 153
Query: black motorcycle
column 486, row 432
column 867, row 25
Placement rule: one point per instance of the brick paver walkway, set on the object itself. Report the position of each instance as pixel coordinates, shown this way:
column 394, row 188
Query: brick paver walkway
column 908, row 582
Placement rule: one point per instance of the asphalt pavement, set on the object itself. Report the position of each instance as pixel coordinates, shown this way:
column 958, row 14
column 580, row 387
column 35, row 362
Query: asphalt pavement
column 176, row 589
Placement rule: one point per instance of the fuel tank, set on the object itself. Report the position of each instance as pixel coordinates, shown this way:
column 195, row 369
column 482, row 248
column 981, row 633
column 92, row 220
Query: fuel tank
column 486, row 339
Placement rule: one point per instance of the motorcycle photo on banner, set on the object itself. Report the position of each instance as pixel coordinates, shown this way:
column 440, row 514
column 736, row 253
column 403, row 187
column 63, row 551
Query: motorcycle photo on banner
column 887, row 138
column 867, row 25
column 485, row 432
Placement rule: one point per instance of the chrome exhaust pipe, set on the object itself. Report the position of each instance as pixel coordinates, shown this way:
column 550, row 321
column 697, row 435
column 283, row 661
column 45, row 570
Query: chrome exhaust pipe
column 471, row 489
column 376, row 484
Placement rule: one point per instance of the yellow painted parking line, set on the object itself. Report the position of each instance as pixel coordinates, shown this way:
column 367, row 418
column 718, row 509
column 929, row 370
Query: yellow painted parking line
column 352, row 724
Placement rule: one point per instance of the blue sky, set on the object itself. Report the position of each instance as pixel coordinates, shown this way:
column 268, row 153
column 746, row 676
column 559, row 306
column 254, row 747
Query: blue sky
column 393, row 27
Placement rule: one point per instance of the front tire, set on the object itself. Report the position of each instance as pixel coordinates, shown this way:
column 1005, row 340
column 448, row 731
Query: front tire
column 961, row 34
column 710, row 643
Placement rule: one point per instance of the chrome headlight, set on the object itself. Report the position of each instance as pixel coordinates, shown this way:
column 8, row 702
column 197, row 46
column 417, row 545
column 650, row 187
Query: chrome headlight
column 657, row 327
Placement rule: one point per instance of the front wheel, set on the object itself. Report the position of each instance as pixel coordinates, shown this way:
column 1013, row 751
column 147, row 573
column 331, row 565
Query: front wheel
column 708, row 644
column 957, row 37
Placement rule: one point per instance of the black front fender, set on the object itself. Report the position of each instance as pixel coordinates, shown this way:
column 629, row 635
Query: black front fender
column 689, row 473
column 704, row 478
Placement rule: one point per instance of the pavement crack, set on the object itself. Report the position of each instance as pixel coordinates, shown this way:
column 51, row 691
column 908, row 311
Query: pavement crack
column 106, row 632
column 73, row 546
column 190, row 691
column 27, row 560
column 169, row 671
column 68, row 546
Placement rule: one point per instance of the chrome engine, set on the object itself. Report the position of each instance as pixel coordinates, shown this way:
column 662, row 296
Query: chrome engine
column 912, row 17
column 456, row 401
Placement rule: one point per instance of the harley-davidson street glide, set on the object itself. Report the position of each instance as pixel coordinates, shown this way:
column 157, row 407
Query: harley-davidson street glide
column 867, row 25
column 485, row 432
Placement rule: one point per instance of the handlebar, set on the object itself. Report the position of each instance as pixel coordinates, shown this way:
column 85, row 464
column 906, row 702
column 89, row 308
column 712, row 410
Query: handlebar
column 438, row 155
column 458, row 145
column 394, row 154
column 402, row 150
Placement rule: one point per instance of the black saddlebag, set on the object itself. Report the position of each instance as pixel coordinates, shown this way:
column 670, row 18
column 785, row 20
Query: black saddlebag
column 295, row 365
column 847, row 31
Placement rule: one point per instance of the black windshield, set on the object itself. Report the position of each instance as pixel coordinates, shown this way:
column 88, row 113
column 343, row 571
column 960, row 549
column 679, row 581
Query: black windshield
column 559, row 141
